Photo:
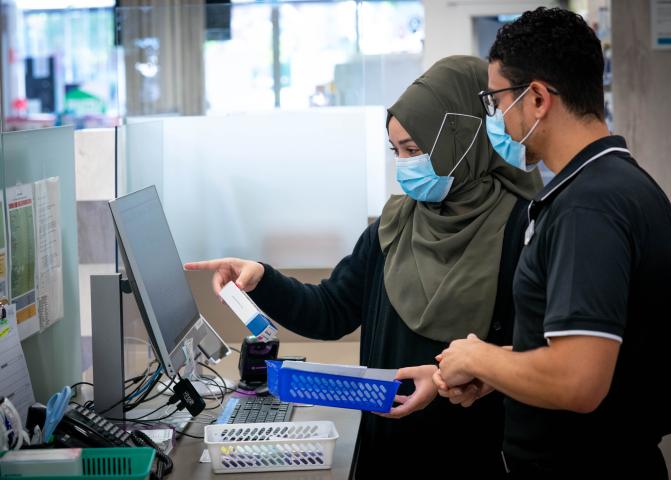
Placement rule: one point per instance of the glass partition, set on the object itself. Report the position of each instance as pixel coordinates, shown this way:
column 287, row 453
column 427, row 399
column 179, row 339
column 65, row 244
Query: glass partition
column 285, row 137
column 140, row 150
column 285, row 187
column 95, row 153
column 139, row 163
column 53, row 356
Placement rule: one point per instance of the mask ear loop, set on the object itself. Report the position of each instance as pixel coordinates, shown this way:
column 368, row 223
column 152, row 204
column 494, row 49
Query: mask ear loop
column 438, row 136
column 517, row 100
column 472, row 141
column 530, row 132
column 512, row 105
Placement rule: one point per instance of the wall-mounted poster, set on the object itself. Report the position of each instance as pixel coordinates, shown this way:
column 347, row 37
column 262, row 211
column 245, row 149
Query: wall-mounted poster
column 22, row 291
column 660, row 24
column 49, row 251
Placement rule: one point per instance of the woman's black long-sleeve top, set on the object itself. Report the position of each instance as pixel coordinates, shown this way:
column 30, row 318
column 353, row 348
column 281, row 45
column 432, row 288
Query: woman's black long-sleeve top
column 451, row 438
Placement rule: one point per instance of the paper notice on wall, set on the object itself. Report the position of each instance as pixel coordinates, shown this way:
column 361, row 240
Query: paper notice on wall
column 49, row 253
column 4, row 294
column 14, row 379
column 660, row 24
column 22, row 284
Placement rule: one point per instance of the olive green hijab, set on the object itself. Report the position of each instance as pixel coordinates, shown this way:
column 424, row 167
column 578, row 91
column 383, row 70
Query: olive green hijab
column 442, row 259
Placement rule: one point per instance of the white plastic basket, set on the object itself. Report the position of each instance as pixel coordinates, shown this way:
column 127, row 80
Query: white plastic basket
column 269, row 447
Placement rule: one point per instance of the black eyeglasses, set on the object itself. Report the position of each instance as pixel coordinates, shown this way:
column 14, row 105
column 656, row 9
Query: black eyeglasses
column 490, row 102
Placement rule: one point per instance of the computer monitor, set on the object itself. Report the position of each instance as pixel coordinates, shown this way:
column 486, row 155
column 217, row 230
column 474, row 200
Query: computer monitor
column 158, row 280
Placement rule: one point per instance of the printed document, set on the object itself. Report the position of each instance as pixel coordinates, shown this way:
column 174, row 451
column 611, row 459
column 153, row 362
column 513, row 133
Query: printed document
column 22, row 281
column 3, row 253
column 14, row 379
column 49, row 253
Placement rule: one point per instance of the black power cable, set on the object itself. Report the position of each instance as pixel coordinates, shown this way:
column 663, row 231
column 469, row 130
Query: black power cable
column 164, row 463
column 144, row 395
column 158, row 380
column 225, row 391
column 136, row 389
column 75, row 385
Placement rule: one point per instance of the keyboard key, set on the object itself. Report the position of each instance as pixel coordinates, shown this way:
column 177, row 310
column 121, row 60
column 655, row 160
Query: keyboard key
column 256, row 410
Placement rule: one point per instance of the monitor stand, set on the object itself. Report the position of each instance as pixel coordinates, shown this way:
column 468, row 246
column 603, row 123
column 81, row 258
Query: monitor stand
column 107, row 344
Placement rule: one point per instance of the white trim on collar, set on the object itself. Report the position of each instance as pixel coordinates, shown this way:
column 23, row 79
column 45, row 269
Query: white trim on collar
column 573, row 174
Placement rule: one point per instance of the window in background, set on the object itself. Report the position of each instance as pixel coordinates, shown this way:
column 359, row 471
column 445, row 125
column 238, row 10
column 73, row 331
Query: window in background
column 61, row 64
column 239, row 71
column 311, row 54
column 64, row 68
column 78, row 43
column 314, row 39
column 391, row 27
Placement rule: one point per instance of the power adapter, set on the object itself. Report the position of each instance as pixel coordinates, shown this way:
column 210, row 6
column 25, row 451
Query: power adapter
column 188, row 397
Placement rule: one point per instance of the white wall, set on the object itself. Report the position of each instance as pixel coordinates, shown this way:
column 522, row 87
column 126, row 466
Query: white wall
column 449, row 24
column 641, row 101
column 641, row 80
column 94, row 164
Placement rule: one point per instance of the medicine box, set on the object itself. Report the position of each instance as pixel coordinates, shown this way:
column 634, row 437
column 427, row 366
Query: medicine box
column 248, row 312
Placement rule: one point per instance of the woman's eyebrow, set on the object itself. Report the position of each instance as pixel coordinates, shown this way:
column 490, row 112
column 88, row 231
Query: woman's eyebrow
column 405, row 140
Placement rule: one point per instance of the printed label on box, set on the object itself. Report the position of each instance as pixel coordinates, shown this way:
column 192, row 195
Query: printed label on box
column 248, row 312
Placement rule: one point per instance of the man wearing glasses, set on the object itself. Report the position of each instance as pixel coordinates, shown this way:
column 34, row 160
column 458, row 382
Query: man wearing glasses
column 587, row 379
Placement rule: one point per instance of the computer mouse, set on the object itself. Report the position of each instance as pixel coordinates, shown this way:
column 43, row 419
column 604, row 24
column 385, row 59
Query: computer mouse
column 262, row 391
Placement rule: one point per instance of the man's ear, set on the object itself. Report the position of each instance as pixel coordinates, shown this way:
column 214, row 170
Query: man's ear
column 542, row 98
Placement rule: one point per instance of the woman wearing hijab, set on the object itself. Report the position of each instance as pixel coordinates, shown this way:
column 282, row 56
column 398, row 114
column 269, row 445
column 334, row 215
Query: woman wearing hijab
column 435, row 267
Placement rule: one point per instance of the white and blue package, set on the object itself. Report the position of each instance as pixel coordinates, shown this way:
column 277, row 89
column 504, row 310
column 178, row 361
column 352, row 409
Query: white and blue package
column 251, row 315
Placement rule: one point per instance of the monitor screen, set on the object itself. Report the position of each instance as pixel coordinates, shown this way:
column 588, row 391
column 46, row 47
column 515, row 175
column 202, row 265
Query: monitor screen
column 153, row 266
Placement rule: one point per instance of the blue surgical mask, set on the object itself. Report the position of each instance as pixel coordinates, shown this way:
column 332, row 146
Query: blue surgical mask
column 514, row 153
column 417, row 177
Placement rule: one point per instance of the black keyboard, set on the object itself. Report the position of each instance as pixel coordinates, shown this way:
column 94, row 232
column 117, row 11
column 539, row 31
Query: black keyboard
column 256, row 410
column 84, row 427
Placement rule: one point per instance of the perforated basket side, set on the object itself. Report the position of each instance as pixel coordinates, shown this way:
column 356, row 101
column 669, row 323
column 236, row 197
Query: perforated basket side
column 271, row 446
column 273, row 368
column 336, row 391
column 116, row 463
column 308, row 455
column 262, row 432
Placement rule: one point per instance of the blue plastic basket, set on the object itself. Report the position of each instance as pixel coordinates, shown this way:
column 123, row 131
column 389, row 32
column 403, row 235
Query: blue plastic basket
column 292, row 385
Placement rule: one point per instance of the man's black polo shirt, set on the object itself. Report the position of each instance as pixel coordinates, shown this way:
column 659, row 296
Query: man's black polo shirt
column 598, row 263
